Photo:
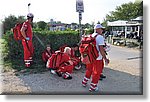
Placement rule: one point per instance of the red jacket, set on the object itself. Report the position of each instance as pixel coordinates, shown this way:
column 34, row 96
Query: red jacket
column 28, row 28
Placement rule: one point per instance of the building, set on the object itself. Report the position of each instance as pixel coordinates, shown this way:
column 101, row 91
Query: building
column 57, row 25
column 53, row 25
column 131, row 26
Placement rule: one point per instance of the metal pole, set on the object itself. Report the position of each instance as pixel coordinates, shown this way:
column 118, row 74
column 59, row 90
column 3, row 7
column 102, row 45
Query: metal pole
column 80, row 27
column 29, row 7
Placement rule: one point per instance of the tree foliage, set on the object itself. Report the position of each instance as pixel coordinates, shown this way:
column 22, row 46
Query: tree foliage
column 42, row 25
column 126, row 11
column 10, row 21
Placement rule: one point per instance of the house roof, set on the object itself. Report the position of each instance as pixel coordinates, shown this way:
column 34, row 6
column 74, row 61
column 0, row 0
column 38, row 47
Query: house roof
column 132, row 22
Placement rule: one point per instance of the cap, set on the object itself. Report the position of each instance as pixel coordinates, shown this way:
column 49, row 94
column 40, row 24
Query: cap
column 98, row 26
column 30, row 15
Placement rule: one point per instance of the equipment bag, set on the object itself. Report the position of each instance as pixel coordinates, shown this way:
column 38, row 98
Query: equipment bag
column 55, row 60
column 88, row 49
column 17, row 32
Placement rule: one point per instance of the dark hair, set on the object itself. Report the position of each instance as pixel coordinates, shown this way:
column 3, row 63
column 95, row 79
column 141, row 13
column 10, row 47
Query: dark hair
column 75, row 45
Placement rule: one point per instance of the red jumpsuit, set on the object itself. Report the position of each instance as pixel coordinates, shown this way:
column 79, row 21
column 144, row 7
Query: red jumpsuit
column 61, row 64
column 27, row 45
column 64, row 64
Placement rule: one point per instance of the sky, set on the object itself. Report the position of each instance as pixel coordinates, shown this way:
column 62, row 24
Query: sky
column 60, row 10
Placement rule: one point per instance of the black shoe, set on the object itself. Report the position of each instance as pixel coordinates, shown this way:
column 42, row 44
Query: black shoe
column 102, row 76
column 59, row 74
column 66, row 76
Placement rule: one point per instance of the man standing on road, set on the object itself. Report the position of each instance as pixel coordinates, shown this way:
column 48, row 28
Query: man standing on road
column 26, row 32
column 95, row 69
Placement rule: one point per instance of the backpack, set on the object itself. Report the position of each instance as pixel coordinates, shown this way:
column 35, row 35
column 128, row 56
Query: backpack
column 88, row 49
column 55, row 60
column 17, row 32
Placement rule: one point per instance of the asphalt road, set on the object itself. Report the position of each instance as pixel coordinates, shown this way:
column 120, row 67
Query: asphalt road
column 123, row 76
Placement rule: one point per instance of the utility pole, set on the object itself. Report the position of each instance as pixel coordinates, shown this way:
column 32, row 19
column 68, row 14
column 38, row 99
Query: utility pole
column 80, row 9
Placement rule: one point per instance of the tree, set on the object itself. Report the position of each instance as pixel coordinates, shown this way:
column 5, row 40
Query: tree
column 21, row 19
column 10, row 21
column 126, row 11
column 42, row 25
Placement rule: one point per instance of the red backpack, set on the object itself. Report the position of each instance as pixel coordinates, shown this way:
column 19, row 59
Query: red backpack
column 17, row 32
column 88, row 49
column 55, row 60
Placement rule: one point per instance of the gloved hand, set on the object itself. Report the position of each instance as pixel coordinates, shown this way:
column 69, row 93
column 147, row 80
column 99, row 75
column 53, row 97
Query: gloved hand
column 27, row 38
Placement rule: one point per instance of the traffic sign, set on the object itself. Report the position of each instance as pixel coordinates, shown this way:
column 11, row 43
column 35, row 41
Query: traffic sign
column 79, row 6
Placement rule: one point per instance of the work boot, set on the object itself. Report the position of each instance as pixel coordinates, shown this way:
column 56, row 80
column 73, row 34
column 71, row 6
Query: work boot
column 84, row 81
column 93, row 87
column 52, row 71
column 67, row 76
column 59, row 73
column 102, row 76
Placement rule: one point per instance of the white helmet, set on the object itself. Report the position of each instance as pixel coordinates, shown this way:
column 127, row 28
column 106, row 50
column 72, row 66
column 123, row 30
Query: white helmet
column 30, row 15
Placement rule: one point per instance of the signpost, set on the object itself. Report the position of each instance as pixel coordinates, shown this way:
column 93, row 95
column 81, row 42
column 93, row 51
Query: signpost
column 80, row 9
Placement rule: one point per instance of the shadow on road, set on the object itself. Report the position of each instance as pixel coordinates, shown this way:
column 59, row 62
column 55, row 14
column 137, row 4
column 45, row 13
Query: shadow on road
column 116, row 83
column 133, row 58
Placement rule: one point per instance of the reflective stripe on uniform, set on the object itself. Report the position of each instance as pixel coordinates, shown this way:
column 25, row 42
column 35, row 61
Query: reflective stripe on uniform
column 28, row 60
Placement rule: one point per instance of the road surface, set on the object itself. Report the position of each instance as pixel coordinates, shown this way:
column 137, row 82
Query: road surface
column 124, row 76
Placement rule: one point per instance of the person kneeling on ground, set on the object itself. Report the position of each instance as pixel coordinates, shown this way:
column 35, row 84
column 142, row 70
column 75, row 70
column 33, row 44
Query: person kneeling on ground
column 61, row 63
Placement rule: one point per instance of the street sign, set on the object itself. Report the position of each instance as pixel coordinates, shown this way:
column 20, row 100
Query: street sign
column 79, row 6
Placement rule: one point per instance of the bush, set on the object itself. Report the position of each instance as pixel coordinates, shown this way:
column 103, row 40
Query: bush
column 13, row 50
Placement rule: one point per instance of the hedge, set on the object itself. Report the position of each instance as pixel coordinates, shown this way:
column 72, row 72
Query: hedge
column 13, row 50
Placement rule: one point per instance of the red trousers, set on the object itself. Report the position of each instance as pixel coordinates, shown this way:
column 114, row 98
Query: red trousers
column 28, row 50
column 75, row 60
column 94, row 70
column 66, row 68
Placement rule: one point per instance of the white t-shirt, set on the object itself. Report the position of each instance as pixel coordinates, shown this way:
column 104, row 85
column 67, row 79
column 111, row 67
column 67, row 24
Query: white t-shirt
column 99, row 41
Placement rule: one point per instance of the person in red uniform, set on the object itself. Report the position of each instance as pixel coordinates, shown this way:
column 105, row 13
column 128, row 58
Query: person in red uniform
column 27, row 34
column 74, row 58
column 46, row 54
column 95, row 69
column 63, row 66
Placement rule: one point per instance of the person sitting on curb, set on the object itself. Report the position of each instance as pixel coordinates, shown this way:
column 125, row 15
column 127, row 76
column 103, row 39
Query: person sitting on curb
column 47, row 53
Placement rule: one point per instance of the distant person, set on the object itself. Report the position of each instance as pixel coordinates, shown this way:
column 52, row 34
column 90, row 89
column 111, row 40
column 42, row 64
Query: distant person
column 95, row 69
column 47, row 53
column 27, row 34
